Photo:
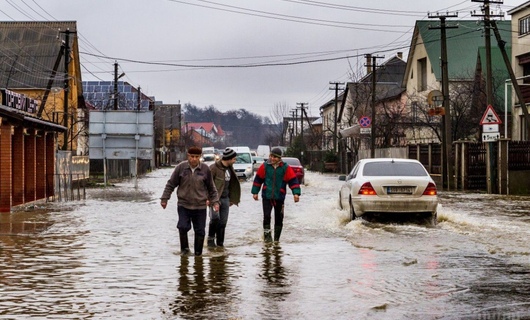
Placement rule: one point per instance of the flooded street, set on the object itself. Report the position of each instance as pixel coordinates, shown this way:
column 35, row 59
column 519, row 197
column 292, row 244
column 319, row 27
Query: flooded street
column 116, row 256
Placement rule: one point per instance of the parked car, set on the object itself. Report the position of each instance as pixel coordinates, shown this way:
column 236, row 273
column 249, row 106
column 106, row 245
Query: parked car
column 297, row 167
column 243, row 165
column 257, row 162
column 208, row 158
column 380, row 186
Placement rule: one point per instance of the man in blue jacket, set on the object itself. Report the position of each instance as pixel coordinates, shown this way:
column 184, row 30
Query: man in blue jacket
column 274, row 175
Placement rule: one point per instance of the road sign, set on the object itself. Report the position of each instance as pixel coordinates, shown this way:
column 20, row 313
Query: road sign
column 490, row 116
column 366, row 130
column 490, row 136
column 365, row 122
column 490, row 128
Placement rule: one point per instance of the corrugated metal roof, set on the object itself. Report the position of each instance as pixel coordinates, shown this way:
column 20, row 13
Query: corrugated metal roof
column 29, row 51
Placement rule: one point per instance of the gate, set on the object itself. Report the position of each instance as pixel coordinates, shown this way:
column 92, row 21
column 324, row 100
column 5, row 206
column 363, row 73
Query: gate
column 475, row 158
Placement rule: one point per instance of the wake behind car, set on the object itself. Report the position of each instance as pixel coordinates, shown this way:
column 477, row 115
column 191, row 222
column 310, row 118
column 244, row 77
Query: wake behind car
column 389, row 186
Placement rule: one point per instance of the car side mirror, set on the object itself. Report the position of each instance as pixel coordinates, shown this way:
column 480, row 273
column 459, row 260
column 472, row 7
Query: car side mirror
column 342, row 178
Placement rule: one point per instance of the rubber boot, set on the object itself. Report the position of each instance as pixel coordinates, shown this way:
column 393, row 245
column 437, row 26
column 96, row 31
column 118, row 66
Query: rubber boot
column 277, row 232
column 267, row 237
column 220, row 236
column 199, row 243
column 211, row 242
column 184, row 245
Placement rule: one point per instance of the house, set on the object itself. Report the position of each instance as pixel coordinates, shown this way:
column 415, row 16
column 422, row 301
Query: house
column 387, row 122
column 205, row 133
column 42, row 108
column 329, row 113
column 520, row 39
column 169, row 143
column 33, row 64
column 466, row 58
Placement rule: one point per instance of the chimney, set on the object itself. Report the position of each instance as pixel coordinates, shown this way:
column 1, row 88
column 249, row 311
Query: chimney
column 368, row 63
column 400, row 55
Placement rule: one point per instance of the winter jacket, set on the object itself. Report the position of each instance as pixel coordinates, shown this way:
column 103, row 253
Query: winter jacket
column 194, row 187
column 275, row 181
column 234, row 188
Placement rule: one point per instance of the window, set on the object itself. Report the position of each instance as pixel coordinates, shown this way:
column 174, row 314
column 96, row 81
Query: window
column 422, row 74
column 524, row 26
column 393, row 169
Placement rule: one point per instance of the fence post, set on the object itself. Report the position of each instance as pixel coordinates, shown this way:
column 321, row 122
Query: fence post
column 504, row 187
column 458, row 167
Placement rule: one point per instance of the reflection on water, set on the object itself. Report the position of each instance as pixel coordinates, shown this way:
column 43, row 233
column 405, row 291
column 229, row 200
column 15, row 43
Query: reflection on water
column 204, row 287
column 275, row 289
column 274, row 272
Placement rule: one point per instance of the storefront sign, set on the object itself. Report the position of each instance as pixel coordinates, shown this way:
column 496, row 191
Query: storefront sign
column 18, row 101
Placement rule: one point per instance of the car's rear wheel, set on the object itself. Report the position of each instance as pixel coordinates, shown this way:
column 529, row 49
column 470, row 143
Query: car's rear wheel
column 433, row 221
column 352, row 211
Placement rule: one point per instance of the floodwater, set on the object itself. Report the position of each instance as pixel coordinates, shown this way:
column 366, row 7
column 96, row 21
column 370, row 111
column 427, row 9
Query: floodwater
column 116, row 256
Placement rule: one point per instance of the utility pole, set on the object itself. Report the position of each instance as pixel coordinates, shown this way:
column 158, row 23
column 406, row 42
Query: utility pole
column 66, row 87
column 335, row 118
column 487, row 33
column 501, row 43
column 373, row 66
column 302, row 111
column 491, row 169
column 139, row 99
column 447, row 155
column 302, row 145
column 294, row 114
column 116, row 85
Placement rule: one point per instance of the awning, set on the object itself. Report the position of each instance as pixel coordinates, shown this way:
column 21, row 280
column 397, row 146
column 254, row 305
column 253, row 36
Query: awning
column 353, row 131
column 19, row 117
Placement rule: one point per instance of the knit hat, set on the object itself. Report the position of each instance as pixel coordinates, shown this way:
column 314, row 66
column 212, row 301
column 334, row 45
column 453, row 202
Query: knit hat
column 195, row 150
column 229, row 154
column 277, row 152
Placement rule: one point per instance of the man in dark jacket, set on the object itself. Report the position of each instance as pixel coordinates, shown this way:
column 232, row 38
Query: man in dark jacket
column 195, row 192
column 274, row 175
column 229, row 189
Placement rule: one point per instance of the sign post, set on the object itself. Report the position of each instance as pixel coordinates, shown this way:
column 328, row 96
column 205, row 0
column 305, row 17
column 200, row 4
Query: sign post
column 490, row 133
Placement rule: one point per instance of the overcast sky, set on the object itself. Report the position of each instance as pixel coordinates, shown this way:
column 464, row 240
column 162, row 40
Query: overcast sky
column 238, row 54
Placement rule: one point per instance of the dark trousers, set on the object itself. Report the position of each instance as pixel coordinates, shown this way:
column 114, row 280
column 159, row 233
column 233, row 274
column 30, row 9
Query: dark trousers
column 189, row 217
column 268, row 206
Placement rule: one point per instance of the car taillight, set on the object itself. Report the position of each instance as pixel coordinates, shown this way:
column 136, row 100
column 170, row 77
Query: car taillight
column 367, row 189
column 430, row 190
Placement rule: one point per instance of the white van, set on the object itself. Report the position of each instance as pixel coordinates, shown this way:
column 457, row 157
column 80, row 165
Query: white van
column 243, row 165
column 263, row 151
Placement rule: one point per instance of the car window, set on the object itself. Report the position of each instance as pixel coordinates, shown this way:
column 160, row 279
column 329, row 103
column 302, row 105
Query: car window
column 208, row 157
column 387, row 168
column 292, row 161
column 353, row 172
column 243, row 158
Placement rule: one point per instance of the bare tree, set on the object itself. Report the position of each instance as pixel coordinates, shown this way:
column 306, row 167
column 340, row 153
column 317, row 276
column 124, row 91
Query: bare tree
column 278, row 127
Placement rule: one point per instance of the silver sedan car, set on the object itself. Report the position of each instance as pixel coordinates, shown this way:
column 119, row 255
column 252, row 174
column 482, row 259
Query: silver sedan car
column 387, row 186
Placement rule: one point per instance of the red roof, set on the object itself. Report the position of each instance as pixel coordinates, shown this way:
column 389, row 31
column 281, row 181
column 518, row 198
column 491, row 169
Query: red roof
column 207, row 126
